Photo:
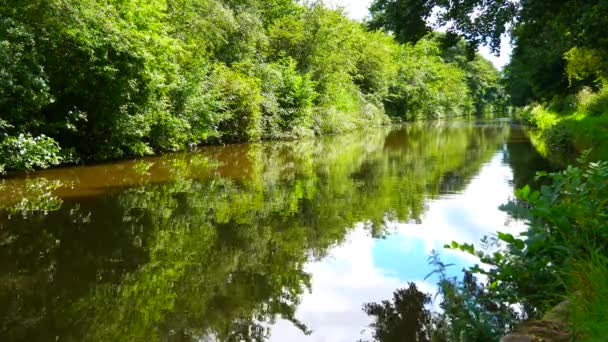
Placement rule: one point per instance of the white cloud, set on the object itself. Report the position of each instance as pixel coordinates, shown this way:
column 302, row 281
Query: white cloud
column 355, row 9
column 468, row 216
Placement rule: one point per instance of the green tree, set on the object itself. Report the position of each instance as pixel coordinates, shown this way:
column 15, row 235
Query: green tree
column 406, row 19
column 541, row 31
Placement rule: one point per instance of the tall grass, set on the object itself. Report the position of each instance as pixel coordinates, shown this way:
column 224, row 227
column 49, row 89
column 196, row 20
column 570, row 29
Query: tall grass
column 588, row 283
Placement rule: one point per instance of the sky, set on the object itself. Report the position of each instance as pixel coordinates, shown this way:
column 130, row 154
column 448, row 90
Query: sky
column 357, row 9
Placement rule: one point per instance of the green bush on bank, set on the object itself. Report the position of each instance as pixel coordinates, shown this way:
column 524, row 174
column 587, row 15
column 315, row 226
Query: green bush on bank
column 287, row 101
column 426, row 86
column 25, row 152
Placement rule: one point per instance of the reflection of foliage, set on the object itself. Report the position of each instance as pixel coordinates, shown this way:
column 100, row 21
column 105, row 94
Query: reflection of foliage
column 238, row 272
column 142, row 167
column 406, row 318
column 36, row 197
column 218, row 249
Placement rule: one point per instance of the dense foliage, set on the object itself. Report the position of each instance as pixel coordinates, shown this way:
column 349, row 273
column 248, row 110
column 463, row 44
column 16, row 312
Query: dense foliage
column 95, row 80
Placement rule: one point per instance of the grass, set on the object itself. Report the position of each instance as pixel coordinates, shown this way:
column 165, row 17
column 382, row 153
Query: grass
column 589, row 285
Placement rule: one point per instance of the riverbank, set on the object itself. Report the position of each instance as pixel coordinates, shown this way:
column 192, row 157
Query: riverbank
column 51, row 157
column 561, row 256
column 584, row 126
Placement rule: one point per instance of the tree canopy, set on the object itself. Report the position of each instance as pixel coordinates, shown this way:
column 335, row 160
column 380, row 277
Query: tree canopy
column 554, row 41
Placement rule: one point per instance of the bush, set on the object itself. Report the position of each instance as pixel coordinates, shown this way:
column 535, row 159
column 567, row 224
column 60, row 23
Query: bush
column 288, row 99
column 24, row 85
column 377, row 66
column 169, row 133
column 240, row 105
column 558, row 137
column 593, row 103
column 26, row 153
column 427, row 87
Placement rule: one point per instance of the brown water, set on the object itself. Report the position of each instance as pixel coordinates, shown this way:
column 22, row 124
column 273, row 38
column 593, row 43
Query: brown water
column 252, row 241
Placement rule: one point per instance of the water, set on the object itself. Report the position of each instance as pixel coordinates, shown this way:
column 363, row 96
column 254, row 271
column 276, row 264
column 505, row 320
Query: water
column 252, row 241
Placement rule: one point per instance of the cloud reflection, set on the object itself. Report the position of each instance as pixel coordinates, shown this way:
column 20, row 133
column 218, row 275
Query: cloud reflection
column 364, row 269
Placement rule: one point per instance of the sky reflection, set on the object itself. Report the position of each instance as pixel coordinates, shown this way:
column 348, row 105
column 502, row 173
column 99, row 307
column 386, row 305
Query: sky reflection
column 364, row 269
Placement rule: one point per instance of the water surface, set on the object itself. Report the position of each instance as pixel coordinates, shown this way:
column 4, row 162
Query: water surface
column 278, row 241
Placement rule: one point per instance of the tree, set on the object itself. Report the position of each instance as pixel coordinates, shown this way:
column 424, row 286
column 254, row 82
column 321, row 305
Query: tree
column 405, row 19
column 542, row 32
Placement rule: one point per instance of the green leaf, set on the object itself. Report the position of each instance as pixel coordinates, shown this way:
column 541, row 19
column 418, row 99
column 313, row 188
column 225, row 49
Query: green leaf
column 506, row 237
column 523, row 193
column 519, row 244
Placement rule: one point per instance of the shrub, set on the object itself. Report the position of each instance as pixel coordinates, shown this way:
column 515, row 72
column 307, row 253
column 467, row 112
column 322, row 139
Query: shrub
column 558, row 137
column 24, row 85
column 288, row 99
column 26, row 153
column 593, row 103
column 377, row 66
column 168, row 132
column 240, row 105
column 427, row 87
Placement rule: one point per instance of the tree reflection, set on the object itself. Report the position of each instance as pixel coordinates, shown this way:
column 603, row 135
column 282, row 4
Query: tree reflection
column 405, row 318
